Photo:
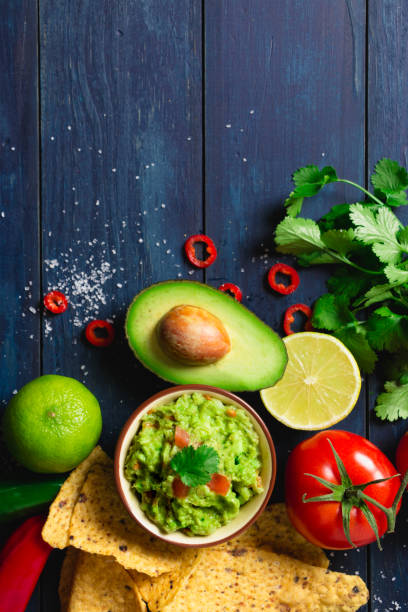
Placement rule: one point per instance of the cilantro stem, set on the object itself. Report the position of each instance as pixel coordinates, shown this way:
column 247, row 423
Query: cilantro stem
column 373, row 197
column 348, row 261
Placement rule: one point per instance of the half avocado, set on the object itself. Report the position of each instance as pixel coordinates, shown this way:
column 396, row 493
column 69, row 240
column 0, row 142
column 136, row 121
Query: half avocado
column 256, row 358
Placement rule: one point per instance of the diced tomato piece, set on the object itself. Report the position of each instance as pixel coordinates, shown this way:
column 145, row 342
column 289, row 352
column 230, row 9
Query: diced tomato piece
column 180, row 490
column 181, row 437
column 231, row 412
column 219, row 484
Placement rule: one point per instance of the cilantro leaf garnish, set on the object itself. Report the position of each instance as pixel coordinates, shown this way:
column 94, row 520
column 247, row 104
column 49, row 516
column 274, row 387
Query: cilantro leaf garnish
column 195, row 466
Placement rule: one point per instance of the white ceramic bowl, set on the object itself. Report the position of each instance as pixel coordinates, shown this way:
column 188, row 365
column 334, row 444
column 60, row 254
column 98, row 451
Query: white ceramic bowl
column 248, row 512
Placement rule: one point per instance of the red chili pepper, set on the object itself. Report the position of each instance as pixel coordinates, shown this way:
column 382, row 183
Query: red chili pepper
column 55, row 302
column 21, row 563
column 189, row 248
column 231, row 288
column 100, row 333
column 289, row 317
column 287, row 271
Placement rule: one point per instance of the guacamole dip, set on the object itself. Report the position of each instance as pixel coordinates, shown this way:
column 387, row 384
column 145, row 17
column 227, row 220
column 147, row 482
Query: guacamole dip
column 192, row 421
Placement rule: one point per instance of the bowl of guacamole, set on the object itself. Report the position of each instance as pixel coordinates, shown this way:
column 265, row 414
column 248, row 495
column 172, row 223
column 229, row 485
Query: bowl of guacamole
column 195, row 465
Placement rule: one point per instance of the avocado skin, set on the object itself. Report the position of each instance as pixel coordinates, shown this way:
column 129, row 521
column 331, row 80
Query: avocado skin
column 258, row 355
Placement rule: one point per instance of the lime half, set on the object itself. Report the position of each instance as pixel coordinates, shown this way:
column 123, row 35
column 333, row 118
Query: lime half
column 320, row 386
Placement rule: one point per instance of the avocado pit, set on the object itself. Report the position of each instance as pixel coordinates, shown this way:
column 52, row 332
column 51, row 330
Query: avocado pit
column 193, row 336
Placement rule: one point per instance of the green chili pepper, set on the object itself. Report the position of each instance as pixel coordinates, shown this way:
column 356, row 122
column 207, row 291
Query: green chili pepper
column 21, row 498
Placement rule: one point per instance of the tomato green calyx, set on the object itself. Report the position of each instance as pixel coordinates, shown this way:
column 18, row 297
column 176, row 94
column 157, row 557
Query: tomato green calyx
column 353, row 496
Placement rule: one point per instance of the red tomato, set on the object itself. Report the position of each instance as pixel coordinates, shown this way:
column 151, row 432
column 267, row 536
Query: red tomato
column 219, row 484
column 321, row 522
column 180, row 490
column 401, row 456
column 181, row 437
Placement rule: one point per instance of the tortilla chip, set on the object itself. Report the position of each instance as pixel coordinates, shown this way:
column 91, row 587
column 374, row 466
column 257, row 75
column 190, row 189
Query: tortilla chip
column 159, row 592
column 100, row 584
column 100, row 524
column 56, row 528
column 274, row 530
column 67, row 577
column 247, row 578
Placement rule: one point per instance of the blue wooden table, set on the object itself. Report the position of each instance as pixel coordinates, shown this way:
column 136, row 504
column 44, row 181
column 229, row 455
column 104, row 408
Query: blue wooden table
column 126, row 126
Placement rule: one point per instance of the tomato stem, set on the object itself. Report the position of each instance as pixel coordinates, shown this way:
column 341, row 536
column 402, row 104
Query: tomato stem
column 391, row 512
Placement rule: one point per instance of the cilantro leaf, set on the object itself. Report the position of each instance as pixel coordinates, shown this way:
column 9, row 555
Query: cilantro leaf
column 298, row 236
column 341, row 241
column 397, row 199
column 195, row 466
column 317, row 257
column 387, row 330
column 331, row 313
column 309, row 180
column 396, row 275
column 403, row 237
column 293, row 204
column 377, row 293
column 338, row 217
column 393, row 403
column 348, row 283
column 379, row 230
column 355, row 340
column 389, row 177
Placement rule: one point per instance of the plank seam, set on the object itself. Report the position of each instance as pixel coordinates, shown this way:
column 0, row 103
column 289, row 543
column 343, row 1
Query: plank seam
column 366, row 181
column 203, row 126
column 40, row 211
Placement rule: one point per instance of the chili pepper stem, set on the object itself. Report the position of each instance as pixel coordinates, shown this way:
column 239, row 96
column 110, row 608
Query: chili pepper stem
column 391, row 512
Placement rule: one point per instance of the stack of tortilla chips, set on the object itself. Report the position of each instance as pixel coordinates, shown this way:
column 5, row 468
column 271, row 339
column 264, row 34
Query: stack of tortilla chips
column 113, row 565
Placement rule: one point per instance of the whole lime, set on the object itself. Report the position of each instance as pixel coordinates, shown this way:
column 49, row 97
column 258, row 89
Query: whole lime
column 52, row 424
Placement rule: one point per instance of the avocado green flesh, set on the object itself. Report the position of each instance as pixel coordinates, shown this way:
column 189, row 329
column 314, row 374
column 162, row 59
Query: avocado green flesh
column 207, row 422
column 257, row 358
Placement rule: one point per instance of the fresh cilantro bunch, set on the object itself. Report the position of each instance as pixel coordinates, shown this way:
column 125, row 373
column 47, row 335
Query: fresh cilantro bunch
column 366, row 306
column 195, row 466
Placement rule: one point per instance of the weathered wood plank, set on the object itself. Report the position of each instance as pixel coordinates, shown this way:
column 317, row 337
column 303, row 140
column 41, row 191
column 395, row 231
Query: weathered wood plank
column 388, row 137
column 121, row 178
column 284, row 88
column 19, row 208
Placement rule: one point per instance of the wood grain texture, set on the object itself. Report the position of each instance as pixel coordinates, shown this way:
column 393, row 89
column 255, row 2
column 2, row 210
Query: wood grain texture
column 122, row 123
column 121, row 181
column 388, row 137
column 284, row 88
column 19, row 209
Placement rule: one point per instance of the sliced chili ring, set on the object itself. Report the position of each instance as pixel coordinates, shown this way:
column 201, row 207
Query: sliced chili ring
column 55, row 302
column 287, row 271
column 100, row 333
column 233, row 289
column 210, row 247
column 289, row 317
